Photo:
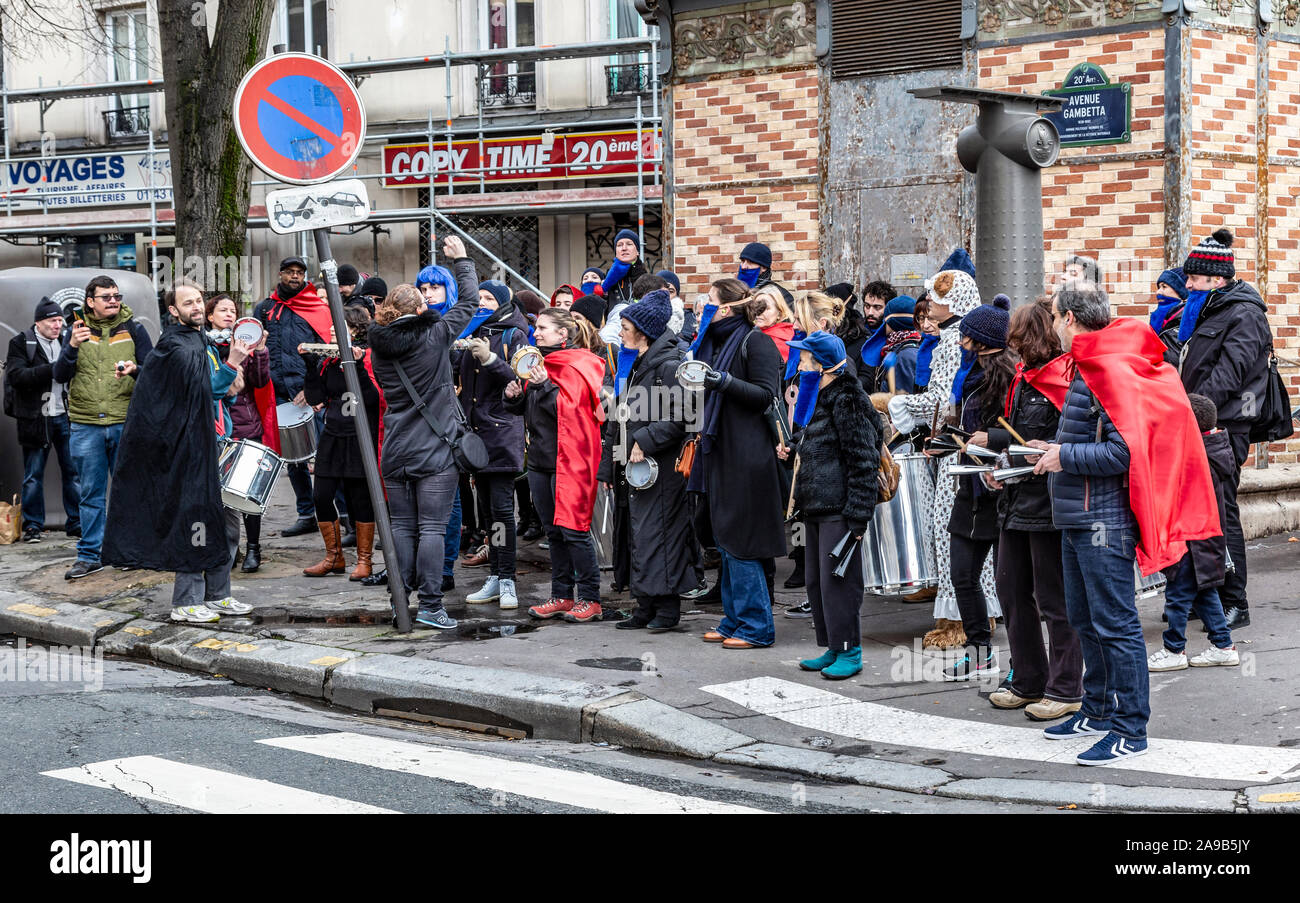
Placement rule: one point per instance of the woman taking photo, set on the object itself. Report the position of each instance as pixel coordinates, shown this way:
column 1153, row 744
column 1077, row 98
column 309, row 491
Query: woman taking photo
column 736, row 466
column 338, row 453
column 249, row 408
column 562, row 397
column 411, row 343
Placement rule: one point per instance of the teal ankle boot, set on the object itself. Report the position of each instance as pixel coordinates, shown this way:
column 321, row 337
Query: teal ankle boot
column 824, row 660
column 846, row 664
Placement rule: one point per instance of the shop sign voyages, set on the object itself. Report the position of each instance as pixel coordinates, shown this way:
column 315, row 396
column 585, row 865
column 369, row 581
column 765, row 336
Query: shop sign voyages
column 90, row 180
column 1095, row 112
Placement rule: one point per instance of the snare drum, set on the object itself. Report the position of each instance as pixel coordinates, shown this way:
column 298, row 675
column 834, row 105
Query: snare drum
column 691, row 373
column 297, row 432
column 248, row 473
column 524, row 360
column 248, row 330
column 642, row 474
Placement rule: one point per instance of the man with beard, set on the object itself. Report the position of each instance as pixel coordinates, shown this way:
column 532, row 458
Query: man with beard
column 165, row 511
column 874, row 298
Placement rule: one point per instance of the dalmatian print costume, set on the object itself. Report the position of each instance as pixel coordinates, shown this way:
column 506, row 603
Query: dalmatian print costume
column 962, row 296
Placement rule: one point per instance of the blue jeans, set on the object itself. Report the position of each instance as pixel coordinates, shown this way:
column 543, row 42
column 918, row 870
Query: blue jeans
column 34, row 460
column 746, row 608
column 300, row 480
column 1097, row 567
column 419, row 510
column 451, row 541
column 1181, row 596
column 94, row 451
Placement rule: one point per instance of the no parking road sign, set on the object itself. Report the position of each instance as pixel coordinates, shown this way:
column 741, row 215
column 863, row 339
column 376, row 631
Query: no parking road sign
column 299, row 118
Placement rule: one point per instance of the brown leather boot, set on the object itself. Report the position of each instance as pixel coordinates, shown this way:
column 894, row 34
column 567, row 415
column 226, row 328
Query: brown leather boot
column 333, row 562
column 365, row 549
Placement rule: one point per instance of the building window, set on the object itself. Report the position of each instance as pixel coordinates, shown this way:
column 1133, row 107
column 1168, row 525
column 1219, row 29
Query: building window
column 870, row 37
column 508, row 23
column 627, row 74
column 302, row 27
column 128, row 60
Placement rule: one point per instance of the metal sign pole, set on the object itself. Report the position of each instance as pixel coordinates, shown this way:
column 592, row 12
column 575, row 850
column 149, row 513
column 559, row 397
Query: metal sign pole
column 396, row 588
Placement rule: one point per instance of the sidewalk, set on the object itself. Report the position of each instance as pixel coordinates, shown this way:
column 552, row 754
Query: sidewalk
column 1222, row 738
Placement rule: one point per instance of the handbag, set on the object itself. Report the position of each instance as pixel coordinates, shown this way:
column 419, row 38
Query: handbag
column 467, row 447
column 686, row 457
column 11, row 521
column 1274, row 422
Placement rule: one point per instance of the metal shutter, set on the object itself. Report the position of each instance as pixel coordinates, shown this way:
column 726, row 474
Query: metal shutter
column 878, row 37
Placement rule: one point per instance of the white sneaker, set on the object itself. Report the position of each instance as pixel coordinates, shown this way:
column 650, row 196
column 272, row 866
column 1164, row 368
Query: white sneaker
column 1164, row 660
column 508, row 597
column 1216, row 656
column 194, row 614
column 228, row 606
column 490, row 592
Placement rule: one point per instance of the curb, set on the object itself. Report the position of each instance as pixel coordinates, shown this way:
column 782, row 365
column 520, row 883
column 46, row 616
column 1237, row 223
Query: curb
column 557, row 709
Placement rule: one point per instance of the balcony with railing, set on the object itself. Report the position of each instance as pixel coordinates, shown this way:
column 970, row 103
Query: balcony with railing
column 500, row 90
column 126, row 123
column 627, row 80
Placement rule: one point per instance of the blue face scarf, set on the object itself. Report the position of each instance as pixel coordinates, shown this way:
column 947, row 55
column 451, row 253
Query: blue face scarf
column 588, row 287
column 1165, row 305
column 924, row 357
column 749, row 277
column 810, row 383
column 617, row 270
column 873, row 349
column 706, row 317
column 968, row 359
column 792, row 365
column 626, row 358
column 475, row 322
column 1191, row 313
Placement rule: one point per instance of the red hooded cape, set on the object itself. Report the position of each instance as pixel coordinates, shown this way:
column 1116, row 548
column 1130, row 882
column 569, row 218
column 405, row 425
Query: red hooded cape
column 578, row 374
column 1170, row 488
column 312, row 308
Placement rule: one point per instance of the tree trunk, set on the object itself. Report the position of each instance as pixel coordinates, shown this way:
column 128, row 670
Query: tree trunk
column 210, row 174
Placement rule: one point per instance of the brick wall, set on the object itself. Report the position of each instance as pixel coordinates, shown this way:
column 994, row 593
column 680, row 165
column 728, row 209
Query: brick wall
column 745, row 169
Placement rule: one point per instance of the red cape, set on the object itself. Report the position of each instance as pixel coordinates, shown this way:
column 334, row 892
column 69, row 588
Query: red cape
column 1170, row 488
column 310, row 306
column 578, row 374
column 264, row 398
column 781, row 333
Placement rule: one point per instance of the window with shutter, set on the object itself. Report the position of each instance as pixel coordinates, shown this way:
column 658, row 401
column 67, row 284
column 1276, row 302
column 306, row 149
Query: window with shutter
column 879, row 37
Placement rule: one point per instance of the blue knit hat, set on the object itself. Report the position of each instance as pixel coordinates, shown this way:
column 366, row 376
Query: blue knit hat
column 627, row 233
column 671, row 278
column 959, row 260
column 988, row 324
column 759, row 253
column 651, row 314
column 825, row 347
column 899, row 313
column 498, row 290
column 1175, row 280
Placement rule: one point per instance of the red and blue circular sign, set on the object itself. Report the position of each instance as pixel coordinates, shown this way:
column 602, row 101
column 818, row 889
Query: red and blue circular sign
column 299, row 118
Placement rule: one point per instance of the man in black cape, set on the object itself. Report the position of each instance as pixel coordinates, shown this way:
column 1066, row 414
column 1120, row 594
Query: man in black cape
column 165, row 511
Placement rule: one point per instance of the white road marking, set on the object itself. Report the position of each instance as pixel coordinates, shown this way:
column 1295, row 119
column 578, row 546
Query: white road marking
column 872, row 722
column 204, row 789
column 567, row 786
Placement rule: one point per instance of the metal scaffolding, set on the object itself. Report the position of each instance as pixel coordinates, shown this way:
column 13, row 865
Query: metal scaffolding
column 161, row 211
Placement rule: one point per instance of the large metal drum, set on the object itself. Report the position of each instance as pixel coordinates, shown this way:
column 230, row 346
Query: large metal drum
column 602, row 528
column 248, row 472
column 297, row 432
column 898, row 554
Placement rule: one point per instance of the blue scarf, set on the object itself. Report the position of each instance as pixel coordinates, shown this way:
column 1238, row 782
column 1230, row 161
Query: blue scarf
column 626, row 358
column 1164, row 307
column 749, row 277
column 874, row 348
column 1191, row 313
column 968, row 359
column 475, row 322
column 718, row 352
column 618, row 269
column 705, row 319
column 441, row 309
column 924, row 354
column 792, row 365
column 810, row 383
column 588, row 287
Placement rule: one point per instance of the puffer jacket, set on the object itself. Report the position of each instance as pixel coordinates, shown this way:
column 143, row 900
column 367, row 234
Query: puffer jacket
column 482, row 391
column 1226, row 358
column 839, row 455
column 95, row 395
column 1026, row 505
column 1091, row 489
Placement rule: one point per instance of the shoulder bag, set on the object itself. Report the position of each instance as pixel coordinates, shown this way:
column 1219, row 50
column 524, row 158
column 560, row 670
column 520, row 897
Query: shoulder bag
column 467, row 448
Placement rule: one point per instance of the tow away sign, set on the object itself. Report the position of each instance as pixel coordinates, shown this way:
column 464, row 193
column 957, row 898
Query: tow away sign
column 317, row 206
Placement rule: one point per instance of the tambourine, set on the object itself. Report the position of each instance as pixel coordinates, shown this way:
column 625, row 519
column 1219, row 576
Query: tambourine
column 691, row 373
column 248, row 330
column 524, row 360
column 642, row 474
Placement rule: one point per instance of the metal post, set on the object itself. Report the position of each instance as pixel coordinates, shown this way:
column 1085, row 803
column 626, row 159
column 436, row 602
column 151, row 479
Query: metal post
column 654, row 100
column 396, row 589
column 451, row 186
column 433, row 244
column 153, row 217
column 482, row 181
column 640, row 179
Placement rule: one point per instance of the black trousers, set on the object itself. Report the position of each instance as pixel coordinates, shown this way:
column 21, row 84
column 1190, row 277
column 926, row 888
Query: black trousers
column 836, row 601
column 354, row 490
column 575, row 572
column 469, row 519
column 667, row 608
column 253, row 527
column 524, row 496
column 622, row 544
column 499, row 489
column 1233, row 592
column 967, row 561
column 1031, row 590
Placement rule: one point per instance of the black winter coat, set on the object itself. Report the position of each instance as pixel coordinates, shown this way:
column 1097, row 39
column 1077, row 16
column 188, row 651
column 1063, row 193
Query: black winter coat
column 743, row 481
column 1209, row 556
column 541, row 424
column 621, row 292
column 839, row 456
column 30, row 372
column 482, row 392
column 663, row 561
column 422, row 345
column 1026, row 505
column 975, row 508
column 1226, row 358
column 338, row 453
column 1092, row 487
column 284, row 333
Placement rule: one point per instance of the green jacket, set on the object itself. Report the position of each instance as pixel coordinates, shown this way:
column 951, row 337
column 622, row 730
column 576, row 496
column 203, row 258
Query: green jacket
column 95, row 394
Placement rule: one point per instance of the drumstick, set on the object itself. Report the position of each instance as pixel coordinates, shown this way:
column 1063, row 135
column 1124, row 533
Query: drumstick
column 789, row 511
column 893, row 389
column 1009, row 429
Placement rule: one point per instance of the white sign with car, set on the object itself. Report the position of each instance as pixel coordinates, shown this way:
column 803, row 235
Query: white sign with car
column 306, row 207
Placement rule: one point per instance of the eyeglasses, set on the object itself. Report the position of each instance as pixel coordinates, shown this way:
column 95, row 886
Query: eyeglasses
column 108, row 297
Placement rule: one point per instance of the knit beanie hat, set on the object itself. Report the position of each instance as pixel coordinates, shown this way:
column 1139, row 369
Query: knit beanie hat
column 759, row 253
column 671, row 278
column 650, row 314
column 498, row 290
column 600, row 274
column 374, row 287
column 988, row 323
column 348, row 275
column 590, row 307
column 899, row 312
column 959, row 260
column 1212, row 257
column 955, row 290
column 45, row 308
column 1174, row 279
column 627, row 233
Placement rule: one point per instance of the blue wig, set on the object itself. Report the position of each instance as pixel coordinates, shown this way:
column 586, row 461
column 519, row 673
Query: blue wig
column 436, row 275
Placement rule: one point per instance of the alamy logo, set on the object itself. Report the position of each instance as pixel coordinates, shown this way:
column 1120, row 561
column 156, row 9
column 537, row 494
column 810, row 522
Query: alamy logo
column 103, row 857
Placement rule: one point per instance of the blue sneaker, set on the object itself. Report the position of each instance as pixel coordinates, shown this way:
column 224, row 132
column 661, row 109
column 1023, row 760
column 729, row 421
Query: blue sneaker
column 1112, row 748
column 437, row 618
column 1077, row 725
